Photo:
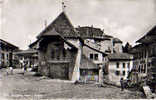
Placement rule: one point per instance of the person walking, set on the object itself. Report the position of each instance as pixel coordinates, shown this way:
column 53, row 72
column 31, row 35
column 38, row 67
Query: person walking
column 122, row 84
column 11, row 70
column 25, row 67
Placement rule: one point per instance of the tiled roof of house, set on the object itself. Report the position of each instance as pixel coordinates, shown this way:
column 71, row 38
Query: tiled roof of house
column 87, row 31
column 34, row 43
column 87, row 63
column 62, row 25
column 149, row 37
column 59, row 36
column 95, row 49
column 120, row 56
column 51, row 33
column 8, row 44
column 137, row 48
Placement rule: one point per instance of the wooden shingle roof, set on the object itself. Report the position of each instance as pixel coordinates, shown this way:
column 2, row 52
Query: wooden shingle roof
column 62, row 25
column 89, row 32
column 51, row 33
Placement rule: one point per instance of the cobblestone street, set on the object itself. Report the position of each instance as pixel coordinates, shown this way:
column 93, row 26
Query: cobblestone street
column 29, row 86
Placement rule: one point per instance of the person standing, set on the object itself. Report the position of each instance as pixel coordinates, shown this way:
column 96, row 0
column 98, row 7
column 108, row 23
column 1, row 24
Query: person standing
column 25, row 66
column 122, row 84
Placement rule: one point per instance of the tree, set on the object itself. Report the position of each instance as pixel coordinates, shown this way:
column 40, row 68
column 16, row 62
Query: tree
column 127, row 47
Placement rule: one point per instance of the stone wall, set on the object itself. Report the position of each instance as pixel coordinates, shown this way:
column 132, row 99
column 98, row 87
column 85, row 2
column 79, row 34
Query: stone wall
column 118, row 48
column 113, row 68
column 106, row 45
column 87, row 51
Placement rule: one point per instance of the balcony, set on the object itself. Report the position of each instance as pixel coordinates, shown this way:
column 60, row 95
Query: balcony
column 60, row 60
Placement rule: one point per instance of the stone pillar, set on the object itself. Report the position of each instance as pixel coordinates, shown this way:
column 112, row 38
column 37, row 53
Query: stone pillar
column 146, row 61
column 76, row 71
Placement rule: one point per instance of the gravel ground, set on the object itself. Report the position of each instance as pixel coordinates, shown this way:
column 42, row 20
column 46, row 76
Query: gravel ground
column 19, row 86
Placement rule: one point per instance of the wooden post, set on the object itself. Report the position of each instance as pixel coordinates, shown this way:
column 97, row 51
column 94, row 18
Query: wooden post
column 0, row 54
column 146, row 61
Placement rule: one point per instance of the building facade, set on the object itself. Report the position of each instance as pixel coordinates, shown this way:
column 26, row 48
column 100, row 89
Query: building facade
column 6, row 53
column 92, row 44
column 55, row 60
column 119, row 66
column 144, row 70
column 57, row 57
column 96, row 38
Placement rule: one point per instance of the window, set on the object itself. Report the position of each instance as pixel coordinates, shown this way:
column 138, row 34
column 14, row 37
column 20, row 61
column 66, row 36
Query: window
column 128, row 65
column 149, row 64
column 91, row 56
column 83, row 72
column 2, row 55
column 145, row 53
column 123, row 73
column 7, row 56
column 64, row 53
column 117, row 65
column 96, row 56
column 144, row 68
column 97, row 41
column 139, row 68
column 109, row 49
column 123, row 65
column 57, row 44
column 58, row 56
column 52, row 54
column 113, row 44
column 117, row 73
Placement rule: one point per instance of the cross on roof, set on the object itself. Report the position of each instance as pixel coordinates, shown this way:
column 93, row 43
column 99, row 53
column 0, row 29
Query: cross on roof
column 63, row 6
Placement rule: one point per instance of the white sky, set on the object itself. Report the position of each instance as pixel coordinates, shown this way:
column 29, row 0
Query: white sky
column 128, row 20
